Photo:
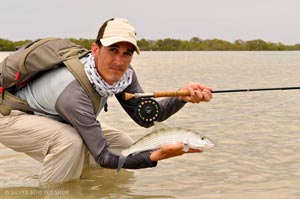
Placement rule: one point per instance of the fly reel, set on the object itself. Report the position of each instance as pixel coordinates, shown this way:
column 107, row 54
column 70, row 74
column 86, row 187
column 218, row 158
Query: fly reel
column 147, row 110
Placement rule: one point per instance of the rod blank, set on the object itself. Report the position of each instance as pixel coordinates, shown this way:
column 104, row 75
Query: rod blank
column 255, row 89
column 128, row 96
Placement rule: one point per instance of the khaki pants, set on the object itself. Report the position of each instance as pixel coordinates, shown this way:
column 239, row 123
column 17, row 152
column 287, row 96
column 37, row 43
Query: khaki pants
column 56, row 145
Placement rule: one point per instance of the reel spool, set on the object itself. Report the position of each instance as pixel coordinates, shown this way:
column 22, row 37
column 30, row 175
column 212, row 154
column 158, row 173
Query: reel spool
column 147, row 110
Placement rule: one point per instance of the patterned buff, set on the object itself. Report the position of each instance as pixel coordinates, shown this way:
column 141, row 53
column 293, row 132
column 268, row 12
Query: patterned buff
column 101, row 86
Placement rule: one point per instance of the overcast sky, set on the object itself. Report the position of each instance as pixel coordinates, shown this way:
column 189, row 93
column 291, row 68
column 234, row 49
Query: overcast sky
column 270, row 20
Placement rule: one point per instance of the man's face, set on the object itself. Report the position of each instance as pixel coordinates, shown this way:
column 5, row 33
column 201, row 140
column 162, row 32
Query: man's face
column 112, row 61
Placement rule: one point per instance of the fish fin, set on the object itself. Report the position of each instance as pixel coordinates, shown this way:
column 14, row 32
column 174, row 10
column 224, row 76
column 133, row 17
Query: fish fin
column 159, row 125
column 185, row 147
column 121, row 162
column 186, row 141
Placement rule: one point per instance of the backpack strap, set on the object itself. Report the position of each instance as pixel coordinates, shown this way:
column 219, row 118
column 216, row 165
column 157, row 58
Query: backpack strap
column 77, row 69
column 10, row 102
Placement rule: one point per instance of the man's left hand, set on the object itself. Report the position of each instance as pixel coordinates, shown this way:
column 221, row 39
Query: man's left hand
column 198, row 93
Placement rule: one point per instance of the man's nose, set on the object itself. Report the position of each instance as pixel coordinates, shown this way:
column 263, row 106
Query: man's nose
column 119, row 59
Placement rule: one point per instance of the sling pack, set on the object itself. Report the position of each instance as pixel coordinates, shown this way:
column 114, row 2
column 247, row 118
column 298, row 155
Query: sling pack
column 39, row 56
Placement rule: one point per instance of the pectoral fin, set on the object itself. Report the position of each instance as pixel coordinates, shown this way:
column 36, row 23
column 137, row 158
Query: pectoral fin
column 186, row 147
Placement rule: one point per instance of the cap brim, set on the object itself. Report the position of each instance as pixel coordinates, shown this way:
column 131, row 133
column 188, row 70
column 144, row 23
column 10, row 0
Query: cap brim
column 112, row 40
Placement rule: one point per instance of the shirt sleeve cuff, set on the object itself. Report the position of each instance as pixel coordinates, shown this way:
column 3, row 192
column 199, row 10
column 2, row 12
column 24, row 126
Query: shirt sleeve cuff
column 149, row 162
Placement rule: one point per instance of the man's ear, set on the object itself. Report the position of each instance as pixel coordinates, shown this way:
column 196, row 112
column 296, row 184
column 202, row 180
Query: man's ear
column 95, row 49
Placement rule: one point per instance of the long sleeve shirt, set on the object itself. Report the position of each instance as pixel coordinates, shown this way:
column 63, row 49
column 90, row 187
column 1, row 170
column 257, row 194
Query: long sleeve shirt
column 58, row 93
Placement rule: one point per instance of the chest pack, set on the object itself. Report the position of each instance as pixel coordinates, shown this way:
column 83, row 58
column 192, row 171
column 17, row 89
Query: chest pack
column 19, row 68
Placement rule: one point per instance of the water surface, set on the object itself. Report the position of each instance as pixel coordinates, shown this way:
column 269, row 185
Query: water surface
column 257, row 134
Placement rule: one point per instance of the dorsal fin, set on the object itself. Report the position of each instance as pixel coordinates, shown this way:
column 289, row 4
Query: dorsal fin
column 159, row 125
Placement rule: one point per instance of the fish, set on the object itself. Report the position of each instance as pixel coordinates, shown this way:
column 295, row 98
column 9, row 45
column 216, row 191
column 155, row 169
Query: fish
column 163, row 134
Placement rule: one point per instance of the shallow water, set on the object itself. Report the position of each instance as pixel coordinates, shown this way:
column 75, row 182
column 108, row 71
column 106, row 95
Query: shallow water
column 257, row 134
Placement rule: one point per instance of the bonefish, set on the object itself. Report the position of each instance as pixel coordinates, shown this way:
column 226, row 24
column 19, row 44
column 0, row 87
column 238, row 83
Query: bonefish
column 162, row 135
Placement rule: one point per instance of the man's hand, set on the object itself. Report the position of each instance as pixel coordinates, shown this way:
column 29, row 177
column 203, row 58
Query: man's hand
column 169, row 151
column 198, row 93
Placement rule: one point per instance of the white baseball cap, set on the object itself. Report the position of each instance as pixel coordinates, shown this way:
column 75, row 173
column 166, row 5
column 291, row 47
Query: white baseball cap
column 117, row 30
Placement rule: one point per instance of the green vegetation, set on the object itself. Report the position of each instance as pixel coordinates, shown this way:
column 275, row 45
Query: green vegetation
column 197, row 44
column 194, row 44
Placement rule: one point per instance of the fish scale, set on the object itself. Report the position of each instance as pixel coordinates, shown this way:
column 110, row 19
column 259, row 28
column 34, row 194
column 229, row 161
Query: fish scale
column 162, row 135
column 152, row 142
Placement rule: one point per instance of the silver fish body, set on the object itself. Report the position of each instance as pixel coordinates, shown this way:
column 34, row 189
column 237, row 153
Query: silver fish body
column 162, row 135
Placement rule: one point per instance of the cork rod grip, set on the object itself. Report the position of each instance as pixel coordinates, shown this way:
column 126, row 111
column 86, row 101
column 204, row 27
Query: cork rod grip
column 128, row 96
column 172, row 93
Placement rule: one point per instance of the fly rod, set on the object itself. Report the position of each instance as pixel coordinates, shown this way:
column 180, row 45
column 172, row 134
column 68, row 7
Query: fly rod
column 128, row 96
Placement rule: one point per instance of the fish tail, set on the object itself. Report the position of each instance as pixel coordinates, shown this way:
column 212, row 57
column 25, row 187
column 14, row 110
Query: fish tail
column 121, row 162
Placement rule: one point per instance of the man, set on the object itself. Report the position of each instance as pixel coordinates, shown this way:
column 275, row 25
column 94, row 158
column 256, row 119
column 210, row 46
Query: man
column 59, row 140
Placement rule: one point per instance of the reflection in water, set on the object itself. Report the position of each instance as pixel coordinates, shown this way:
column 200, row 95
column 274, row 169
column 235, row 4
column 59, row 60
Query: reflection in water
column 105, row 183
column 95, row 183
